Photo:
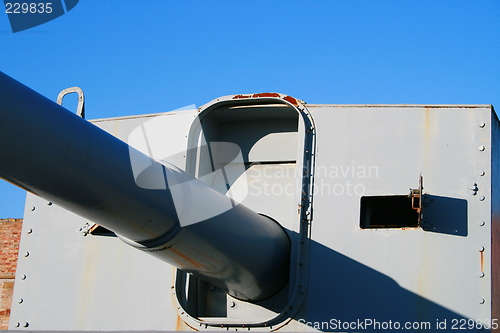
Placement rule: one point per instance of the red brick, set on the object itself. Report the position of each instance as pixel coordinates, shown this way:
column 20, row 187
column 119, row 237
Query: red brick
column 10, row 235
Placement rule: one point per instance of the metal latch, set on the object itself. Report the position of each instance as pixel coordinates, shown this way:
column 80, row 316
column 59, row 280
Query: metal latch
column 416, row 196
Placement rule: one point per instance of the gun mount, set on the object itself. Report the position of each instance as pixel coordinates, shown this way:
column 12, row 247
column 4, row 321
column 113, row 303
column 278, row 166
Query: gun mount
column 269, row 213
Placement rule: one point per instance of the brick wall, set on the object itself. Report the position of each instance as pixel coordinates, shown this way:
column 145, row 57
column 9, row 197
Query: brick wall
column 10, row 235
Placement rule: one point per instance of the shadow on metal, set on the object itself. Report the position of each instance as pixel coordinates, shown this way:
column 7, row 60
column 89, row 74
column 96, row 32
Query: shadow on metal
column 346, row 291
column 445, row 215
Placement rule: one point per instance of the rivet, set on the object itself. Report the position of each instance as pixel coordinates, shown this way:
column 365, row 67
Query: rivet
column 24, row 277
column 49, row 203
column 27, row 254
column 233, row 305
column 32, row 208
column 30, row 231
column 482, row 301
column 482, row 125
column 481, row 248
column 481, row 275
column 482, row 148
column 482, row 173
column 21, row 300
column 212, row 287
column 18, row 324
column 482, row 198
column 26, row 324
column 482, row 223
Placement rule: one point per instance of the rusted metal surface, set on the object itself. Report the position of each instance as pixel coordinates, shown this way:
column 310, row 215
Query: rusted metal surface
column 192, row 261
column 266, row 95
column 291, row 100
column 287, row 98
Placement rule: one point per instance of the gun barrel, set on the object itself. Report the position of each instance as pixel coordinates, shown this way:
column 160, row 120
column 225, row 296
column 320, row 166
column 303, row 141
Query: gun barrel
column 53, row 153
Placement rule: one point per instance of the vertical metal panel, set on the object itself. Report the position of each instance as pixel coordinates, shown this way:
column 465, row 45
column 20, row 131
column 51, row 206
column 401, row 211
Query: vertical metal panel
column 494, row 227
column 89, row 283
column 382, row 150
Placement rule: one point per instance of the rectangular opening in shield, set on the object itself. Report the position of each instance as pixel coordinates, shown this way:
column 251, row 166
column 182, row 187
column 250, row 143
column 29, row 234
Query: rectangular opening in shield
column 388, row 212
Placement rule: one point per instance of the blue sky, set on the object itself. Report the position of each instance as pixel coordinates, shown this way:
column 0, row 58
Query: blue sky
column 136, row 57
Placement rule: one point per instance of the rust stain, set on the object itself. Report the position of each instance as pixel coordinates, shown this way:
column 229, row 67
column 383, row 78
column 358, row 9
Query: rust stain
column 266, row 95
column 185, row 257
column 427, row 121
column 495, row 266
column 289, row 99
column 211, row 259
column 241, row 96
column 179, row 324
column 292, row 100
column 481, row 260
column 427, row 140
column 179, row 264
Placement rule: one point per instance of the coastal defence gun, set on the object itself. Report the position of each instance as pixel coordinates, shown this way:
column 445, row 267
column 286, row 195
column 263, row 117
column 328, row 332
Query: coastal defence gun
column 267, row 214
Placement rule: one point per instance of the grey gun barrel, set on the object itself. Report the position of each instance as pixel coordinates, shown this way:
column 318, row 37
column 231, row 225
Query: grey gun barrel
column 53, row 153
